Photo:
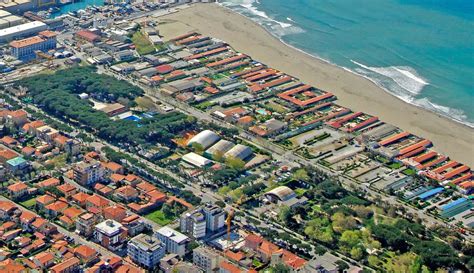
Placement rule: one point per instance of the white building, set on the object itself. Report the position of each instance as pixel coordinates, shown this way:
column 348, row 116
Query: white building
column 193, row 223
column 110, row 234
column 206, row 259
column 215, row 217
column 146, row 251
column 196, row 160
column 174, row 241
column 20, row 31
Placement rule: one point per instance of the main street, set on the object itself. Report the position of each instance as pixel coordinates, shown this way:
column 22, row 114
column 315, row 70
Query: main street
column 285, row 156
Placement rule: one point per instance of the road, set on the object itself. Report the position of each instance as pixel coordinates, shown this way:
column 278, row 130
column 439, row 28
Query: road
column 285, row 156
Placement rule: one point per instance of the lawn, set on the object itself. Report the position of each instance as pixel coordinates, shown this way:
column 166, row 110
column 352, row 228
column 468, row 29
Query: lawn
column 142, row 44
column 395, row 165
column 29, row 203
column 409, row 172
column 159, row 217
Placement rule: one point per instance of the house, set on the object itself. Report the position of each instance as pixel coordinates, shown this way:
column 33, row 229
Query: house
column 97, row 202
column 26, row 219
column 7, row 209
column 67, row 266
column 17, row 190
column 55, row 209
column 126, row 194
column 116, row 213
column 43, row 226
column 44, row 200
column 43, row 260
column 113, row 168
column 80, row 199
column 50, row 182
column 86, row 254
column 9, row 141
column 85, row 224
column 67, row 189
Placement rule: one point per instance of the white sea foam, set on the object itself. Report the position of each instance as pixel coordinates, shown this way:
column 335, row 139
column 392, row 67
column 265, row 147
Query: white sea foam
column 404, row 76
column 406, row 84
column 289, row 19
column 249, row 9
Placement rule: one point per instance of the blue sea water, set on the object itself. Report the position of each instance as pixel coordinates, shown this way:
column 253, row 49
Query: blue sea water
column 78, row 5
column 421, row 51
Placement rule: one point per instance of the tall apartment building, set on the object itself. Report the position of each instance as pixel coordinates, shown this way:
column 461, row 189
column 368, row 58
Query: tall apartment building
column 146, row 251
column 87, row 173
column 193, row 223
column 215, row 217
column 110, row 234
column 85, row 224
column 25, row 49
column 174, row 241
column 206, row 259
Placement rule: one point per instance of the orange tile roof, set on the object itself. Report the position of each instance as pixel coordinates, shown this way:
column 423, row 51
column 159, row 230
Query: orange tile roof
column 146, row 186
column 28, row 150
column 34, row 124
column 39, row 222
column 62, row 140
column 98, row 201
column 11, row 266
column 19, row 186
column 235, row 256
column 48, row 33
column 57, row 206
column 19, row 113
column 7, row 206
column 27, row 42
column 66, row 187
column 49, row 182
column 45, row 199
column 127, row 191
column 66, row 220
column 62, row 267
column 8, row 140
column 113, row 166
column 84, row 251
column 44, row 257
column 27, row 216
column 229, row 267
column 114, row 211
column 7, row 154
column 72, row 212
column 115, row 177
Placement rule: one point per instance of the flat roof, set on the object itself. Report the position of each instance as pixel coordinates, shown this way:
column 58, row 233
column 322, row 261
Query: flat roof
column 22, row 27
column 172, row 234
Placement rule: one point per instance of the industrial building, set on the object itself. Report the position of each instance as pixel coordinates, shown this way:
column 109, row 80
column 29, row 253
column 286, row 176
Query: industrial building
column 220, row 148
column 239, row 151
column 196, row 160
column 205, row 138
column 21, row 31
column 26, row 49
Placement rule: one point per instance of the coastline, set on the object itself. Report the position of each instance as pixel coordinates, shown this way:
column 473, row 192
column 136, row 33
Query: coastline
column 353, row 90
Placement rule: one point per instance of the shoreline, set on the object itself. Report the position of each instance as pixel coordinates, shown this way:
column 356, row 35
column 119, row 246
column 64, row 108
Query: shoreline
column 466, row 124
column 355, row 91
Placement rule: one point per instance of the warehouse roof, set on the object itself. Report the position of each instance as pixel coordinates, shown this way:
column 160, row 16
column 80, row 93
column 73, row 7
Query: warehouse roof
column 239, row 151
column 196, row 160
column 205, row 138
column 283, row 193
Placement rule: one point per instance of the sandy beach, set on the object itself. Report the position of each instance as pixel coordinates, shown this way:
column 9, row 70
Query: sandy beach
column 355, row 92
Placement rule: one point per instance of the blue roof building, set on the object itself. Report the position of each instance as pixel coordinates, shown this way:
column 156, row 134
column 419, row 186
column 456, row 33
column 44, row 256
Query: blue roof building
column 428, row 194
column 460, row 205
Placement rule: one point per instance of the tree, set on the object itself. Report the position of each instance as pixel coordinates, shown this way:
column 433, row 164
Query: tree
column 197, row 147
column 220, row 203
column 300, row 175
column 218, row 156
column 341, row 266
column 435, row 254
column 285, row 214
column 341, row 222
column 235, row 163
column 281, row 268
column 319, row 229
column 357, row 253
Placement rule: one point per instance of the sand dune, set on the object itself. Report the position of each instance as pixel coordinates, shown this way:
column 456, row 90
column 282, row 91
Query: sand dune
column 449, row 137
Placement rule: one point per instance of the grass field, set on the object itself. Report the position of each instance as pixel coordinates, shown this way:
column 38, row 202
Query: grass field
column 159, row 217
column 142, row 44
column 29, row 203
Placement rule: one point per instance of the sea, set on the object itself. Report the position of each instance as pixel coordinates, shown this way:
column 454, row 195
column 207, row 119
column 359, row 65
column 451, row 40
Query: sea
column 421, row 51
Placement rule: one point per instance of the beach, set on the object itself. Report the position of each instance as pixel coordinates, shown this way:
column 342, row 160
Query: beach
column 353, row 91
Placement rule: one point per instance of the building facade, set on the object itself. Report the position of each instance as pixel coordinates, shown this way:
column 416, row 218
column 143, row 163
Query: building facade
column 146, row 251
column 174, row 241
column 26, row 49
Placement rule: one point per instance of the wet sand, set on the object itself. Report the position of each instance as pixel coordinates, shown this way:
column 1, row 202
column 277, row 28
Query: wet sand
column 359, row 94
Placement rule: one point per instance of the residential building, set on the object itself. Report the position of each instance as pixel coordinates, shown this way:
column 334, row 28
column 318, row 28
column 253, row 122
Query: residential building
column 87, row 173
column 174, row 241
column 193, row 223
column 206, row 259
column 17, row 190
column 67, row 266
column 85, row 224
column 215, row 217
column 110, row 234
column 146, row 251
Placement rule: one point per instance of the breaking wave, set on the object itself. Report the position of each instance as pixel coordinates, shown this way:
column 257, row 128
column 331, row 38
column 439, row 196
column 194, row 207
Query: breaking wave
column 249, row 8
